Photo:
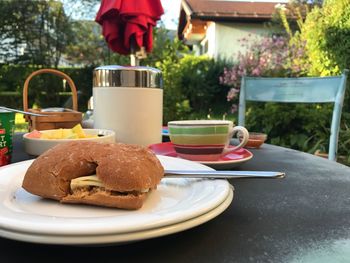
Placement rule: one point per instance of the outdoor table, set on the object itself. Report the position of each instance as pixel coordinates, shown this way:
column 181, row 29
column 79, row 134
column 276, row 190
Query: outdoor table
column 304, row 217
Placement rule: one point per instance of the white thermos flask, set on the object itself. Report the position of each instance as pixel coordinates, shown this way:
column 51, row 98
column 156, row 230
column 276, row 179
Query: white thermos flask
column 129, row 100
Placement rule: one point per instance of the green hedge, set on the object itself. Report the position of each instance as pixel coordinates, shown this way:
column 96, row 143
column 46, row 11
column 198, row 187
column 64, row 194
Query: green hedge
column 191, row 88
column 45, row 90
column 304, row 127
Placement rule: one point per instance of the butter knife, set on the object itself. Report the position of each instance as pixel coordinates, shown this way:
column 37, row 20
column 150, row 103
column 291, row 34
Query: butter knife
column 25, row 112
column 222, row 174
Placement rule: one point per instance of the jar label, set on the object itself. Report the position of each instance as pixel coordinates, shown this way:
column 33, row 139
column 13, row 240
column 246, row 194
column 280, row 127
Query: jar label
column 7, row 120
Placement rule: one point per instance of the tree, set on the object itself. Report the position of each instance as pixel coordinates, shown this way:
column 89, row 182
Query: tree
column 33, row 32
column 324, row 31
column 81, row 9
column 327, row 32
column 88, row 48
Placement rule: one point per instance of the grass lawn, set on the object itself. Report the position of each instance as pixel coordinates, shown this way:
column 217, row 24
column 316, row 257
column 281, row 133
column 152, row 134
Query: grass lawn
column 20, row 124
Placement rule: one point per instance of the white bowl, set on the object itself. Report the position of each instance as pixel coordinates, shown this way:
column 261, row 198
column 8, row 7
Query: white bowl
column 36, row 146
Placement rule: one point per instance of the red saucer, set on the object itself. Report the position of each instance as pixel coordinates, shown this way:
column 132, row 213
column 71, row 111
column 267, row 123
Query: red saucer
column 226, row 161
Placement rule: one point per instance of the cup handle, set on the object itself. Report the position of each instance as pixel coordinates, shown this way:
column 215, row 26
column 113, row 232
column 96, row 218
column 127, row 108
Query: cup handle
column 244, row 141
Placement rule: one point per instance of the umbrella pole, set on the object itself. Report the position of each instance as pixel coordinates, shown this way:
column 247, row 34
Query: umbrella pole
column 134, row 61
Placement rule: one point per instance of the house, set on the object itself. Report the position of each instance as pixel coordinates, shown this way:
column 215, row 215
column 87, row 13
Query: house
column 215, row 27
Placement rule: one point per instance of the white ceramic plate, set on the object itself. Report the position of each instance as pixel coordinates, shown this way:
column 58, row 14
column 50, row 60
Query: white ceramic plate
column 119, row 238
column 36, row 146
column 175, row 200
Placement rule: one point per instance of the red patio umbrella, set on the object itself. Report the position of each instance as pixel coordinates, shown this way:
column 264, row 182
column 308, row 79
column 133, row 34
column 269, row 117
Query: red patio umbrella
column 127, row 25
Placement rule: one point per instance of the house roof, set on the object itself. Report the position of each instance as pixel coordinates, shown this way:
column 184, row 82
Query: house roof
column 214, row 10
column 220, row 9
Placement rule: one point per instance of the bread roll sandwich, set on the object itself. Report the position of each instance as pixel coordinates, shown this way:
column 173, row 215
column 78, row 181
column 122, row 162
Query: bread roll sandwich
column 112, row 175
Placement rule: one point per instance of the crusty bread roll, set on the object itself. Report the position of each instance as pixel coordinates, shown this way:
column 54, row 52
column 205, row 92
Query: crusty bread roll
column 124, row 174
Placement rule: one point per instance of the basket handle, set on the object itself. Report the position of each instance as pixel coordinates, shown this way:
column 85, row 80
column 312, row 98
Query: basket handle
column 57, row 73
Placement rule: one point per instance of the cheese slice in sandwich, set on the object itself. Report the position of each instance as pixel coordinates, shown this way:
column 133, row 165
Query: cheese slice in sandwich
column 91, row 181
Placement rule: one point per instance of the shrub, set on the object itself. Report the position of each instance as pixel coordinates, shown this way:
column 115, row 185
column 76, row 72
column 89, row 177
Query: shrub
column 320, row 47
column 175, row 105
column 303, row 127
column 344, row 144
column 297, row 126
column 269, row 56
column 264, row 57
column 199, row 83
column 192, row 88
column 326, row 32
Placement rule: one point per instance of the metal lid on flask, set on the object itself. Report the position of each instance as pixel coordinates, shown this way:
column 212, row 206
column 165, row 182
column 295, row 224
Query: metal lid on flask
column 122, row 76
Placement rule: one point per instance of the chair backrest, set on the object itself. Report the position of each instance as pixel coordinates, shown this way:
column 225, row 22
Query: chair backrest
column 303, row 90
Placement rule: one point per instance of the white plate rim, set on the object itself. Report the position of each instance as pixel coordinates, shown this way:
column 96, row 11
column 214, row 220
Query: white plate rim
column 32, row 226
column 123, row 237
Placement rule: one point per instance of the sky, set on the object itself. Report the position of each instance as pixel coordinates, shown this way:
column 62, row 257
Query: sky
column 171, row 13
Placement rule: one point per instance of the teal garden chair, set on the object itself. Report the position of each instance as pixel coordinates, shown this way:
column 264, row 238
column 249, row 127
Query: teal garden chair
column 302, row 90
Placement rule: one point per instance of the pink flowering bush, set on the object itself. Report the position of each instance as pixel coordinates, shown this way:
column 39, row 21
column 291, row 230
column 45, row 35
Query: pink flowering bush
column 266, row 57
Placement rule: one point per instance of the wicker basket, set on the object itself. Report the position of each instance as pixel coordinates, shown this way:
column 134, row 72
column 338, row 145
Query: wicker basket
column 66, row 119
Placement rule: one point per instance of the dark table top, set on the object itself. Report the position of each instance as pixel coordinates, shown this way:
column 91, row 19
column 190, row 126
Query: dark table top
column 302, row 218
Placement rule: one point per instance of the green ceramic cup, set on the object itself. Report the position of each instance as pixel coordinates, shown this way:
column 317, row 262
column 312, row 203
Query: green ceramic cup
column 204, row 140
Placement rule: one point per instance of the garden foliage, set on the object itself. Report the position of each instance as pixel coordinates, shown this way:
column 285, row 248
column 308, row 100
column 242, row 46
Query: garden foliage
column 287, row 125
column 33, row 32
column 326, row 32
column 316, row 44
column 319, row 47
column 50, row 38
column 44, row 90
column 192, row 88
